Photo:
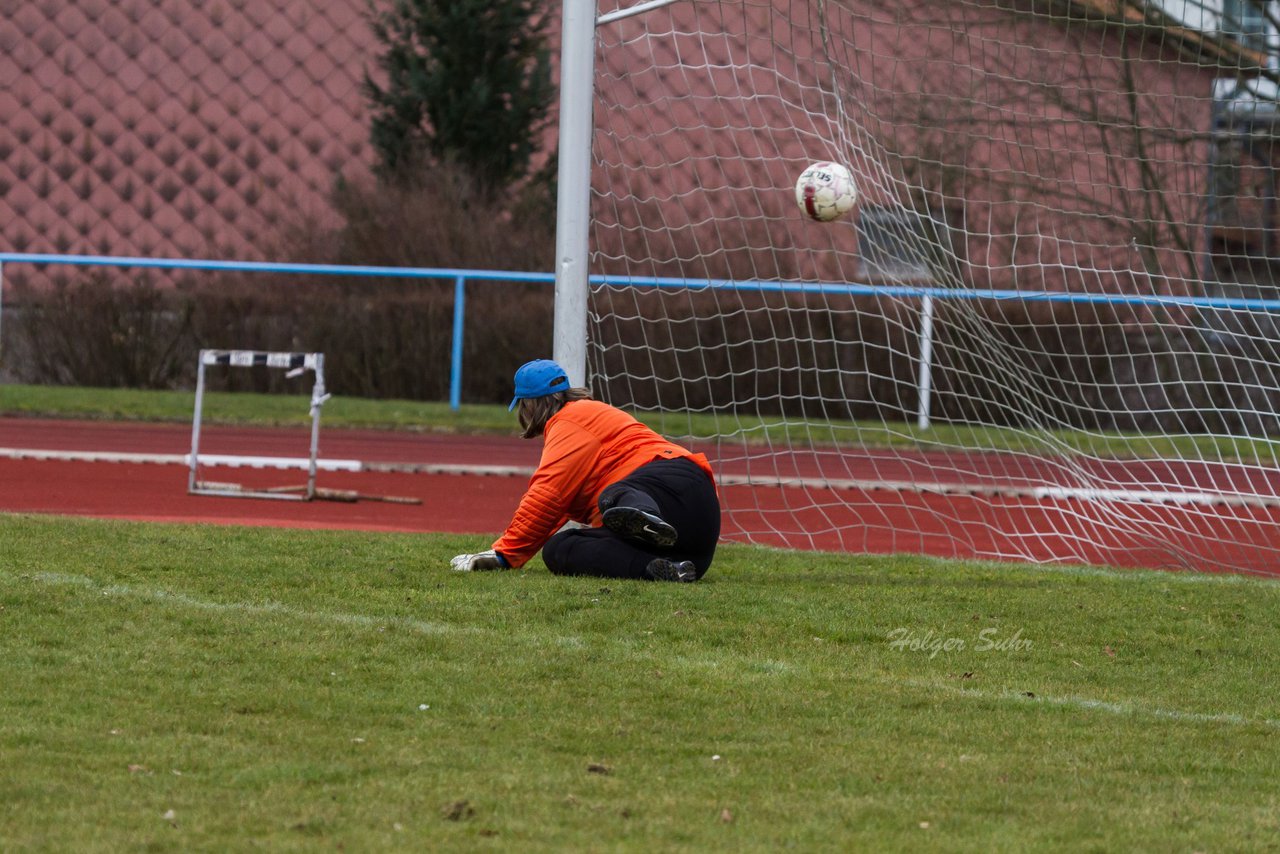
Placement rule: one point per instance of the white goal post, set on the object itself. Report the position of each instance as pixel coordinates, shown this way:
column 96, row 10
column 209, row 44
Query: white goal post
column 1050, row 329
column 294, row 365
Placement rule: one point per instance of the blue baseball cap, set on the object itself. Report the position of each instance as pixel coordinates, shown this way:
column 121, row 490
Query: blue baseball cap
column 539, row 378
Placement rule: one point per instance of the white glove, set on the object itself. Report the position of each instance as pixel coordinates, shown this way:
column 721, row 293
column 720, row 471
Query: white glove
column 477, row 562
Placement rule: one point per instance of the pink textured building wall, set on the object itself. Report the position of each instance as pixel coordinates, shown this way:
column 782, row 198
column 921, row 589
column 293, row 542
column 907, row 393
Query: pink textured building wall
column 180, row 128
column 175, row 128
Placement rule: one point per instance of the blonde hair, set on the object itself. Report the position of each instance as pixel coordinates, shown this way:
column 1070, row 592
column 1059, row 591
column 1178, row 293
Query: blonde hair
column 535, row 412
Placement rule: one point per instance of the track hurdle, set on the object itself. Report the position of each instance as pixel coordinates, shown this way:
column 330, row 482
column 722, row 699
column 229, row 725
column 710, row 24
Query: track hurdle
column 295, row 364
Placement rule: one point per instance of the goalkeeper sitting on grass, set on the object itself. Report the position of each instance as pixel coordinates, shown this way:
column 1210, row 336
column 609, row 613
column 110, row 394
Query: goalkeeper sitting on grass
column 650, row 505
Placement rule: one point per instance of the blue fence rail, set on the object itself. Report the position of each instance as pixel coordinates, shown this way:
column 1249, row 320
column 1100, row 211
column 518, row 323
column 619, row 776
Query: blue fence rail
column 460, row 277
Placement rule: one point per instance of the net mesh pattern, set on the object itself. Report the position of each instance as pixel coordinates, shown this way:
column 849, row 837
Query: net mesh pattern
column 1110, row 152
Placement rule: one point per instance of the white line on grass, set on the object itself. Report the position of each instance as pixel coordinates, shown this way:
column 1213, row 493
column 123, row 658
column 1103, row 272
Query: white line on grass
column 1092, row 705
column 1151, row 576
column 58, row 579
column 1088, row 704
column 1133, row 575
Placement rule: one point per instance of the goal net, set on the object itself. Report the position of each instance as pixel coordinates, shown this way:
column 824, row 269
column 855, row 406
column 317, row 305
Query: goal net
column 1047, row 332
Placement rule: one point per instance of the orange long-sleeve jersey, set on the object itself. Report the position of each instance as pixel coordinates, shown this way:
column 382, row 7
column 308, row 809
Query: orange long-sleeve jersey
column 588, row 445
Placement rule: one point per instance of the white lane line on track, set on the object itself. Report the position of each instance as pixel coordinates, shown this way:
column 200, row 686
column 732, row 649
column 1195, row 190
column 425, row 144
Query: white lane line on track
column 243, row 461
column 1045, row 492
column 221, row 460
column 90, row 456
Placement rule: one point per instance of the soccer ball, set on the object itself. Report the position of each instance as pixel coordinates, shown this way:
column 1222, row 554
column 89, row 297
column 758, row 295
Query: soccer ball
column 826, row 191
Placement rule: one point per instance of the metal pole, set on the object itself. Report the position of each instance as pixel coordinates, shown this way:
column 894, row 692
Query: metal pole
column 195, row 425
column 1, row 310
column 573, row 203
column 455, row 364
column 318, row 397
column 926, row 360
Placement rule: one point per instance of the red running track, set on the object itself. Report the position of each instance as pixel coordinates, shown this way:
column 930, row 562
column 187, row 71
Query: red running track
column 854, row 518
column 158, row 492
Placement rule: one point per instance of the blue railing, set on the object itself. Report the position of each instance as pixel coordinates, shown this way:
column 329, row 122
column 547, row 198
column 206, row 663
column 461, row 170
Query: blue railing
column 461, row 276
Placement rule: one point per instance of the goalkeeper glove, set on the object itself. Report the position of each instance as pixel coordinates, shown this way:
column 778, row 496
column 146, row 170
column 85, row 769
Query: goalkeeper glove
column 479, row 562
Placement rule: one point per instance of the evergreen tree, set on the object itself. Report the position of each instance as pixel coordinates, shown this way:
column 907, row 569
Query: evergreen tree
column 465, row 82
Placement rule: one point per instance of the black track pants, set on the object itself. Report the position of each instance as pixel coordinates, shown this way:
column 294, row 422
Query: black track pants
column 678, row 491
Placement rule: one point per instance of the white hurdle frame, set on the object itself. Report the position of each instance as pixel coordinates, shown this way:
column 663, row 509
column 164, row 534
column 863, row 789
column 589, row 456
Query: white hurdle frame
column 295, row 364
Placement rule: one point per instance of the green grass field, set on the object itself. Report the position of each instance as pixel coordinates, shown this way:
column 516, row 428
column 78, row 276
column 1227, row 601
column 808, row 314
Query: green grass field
column 213, row 688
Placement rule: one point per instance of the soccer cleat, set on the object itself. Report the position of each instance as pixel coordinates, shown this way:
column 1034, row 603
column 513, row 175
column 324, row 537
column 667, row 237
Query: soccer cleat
column 639, row 526
column 661, row 569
